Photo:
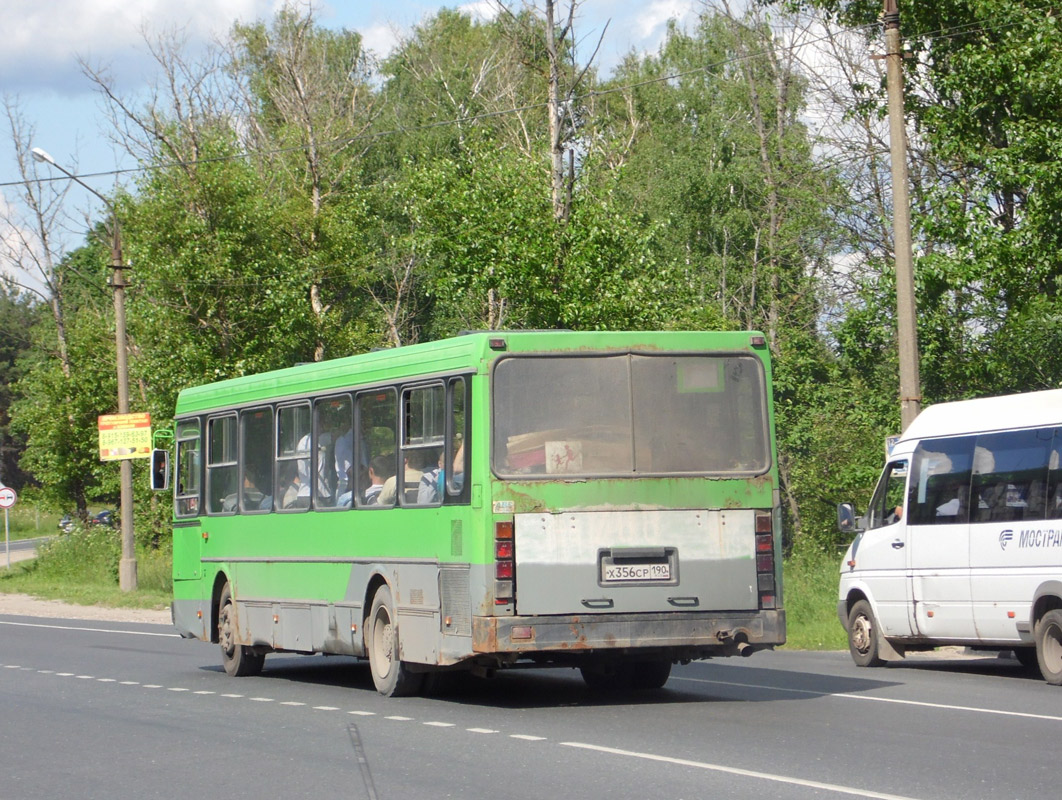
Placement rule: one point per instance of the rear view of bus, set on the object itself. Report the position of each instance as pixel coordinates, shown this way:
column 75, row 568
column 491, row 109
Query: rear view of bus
column 603, row 501
column 635, row 503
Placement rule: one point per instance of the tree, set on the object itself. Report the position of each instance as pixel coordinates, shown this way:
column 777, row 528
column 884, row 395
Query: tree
column 18, row 314
column 308, row 99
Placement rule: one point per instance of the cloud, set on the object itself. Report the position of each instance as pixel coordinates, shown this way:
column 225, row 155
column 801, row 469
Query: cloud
column 652, row 20
column 43, row 38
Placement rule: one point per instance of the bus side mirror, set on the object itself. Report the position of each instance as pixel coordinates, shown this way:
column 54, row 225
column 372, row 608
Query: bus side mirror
column 847, row 520
column 160, row 470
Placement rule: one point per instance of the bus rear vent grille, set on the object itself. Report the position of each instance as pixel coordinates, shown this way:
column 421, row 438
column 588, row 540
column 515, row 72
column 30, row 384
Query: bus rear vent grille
column 456, row 601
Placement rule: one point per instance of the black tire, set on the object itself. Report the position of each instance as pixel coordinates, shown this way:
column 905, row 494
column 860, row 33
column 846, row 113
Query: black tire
column 1027, row 657
column 238, row 660
column 863, row 636
column 625, row 676
column 1048, row 635
column 390, row 675
column 650, row 674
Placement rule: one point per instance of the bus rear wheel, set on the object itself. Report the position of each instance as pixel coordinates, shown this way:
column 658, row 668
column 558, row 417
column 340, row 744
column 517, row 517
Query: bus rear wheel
column 390, row 675
column 622, row 676
column 238, row 660
column 1049, row 646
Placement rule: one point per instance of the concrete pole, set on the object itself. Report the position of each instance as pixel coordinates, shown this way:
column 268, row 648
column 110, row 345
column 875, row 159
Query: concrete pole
column 127, row 579
column 907, row 333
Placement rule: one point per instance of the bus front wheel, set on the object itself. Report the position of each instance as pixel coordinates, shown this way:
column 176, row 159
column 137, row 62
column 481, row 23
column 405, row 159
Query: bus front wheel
column 237, row 659
column 390, row 675
column 1049, row 646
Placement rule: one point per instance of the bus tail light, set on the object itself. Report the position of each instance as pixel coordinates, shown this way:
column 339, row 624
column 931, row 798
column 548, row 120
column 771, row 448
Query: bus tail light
column 504, row 562
column 765, row 582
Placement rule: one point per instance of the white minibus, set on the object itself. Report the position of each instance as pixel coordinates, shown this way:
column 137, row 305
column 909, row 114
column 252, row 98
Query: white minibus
column 962, row 543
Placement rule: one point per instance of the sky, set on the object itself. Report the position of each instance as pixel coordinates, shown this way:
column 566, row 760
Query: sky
column 44, row 40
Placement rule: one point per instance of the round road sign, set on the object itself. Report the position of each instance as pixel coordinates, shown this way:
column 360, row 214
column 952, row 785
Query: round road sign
column 7, row 497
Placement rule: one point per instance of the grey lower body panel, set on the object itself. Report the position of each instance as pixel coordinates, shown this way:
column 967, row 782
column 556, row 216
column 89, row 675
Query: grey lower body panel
column 679, row 634
column 190, row 619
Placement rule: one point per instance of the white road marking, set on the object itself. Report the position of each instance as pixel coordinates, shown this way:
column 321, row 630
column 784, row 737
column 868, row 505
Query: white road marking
column 527, row 738
column 106, row 680
column 176, row 689
column 291, row 703
column 204, row 691
column 90, row 630
column 440, row 724
column 363, row 713
column 399, row 719
column 325, row 708
column 480, row 730
column 875, row 699
column 745, row 773
column 262, row 699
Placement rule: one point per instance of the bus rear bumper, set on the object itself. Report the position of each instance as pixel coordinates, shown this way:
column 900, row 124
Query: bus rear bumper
column 680, row 634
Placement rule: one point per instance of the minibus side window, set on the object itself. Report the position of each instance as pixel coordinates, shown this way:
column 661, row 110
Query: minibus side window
column 939, row 491
column 1010, row 475
column 1054, row 477
column 887, row 505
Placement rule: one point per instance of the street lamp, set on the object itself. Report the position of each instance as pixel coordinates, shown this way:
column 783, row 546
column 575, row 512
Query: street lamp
column 127, row 566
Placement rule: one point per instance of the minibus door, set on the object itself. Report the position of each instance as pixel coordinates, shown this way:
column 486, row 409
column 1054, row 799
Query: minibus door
column 938, row 538
column 880, row 553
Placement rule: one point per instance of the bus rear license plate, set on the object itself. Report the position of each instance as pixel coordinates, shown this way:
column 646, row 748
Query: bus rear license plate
column 635, row 573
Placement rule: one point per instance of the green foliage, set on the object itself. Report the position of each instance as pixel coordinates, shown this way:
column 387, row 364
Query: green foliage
column 383, row 208
column 17, row 315
column 810, row 596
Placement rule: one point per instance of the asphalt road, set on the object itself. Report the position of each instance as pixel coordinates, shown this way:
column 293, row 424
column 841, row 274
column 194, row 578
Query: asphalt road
column 110, row 710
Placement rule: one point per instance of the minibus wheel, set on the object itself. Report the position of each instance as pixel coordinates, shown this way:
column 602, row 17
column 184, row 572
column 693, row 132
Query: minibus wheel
column 1049, row 646
column 863, row 636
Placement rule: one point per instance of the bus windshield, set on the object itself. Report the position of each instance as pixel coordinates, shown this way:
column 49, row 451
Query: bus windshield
column 629, row 414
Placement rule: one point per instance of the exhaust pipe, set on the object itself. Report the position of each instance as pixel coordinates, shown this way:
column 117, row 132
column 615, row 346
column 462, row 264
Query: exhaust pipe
column 744, row 649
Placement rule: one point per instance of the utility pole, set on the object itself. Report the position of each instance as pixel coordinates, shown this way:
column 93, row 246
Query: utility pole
column 907, row 331
column 127, row 578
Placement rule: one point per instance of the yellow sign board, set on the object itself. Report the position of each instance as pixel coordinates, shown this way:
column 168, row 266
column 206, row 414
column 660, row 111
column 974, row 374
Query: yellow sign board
column 124, row 436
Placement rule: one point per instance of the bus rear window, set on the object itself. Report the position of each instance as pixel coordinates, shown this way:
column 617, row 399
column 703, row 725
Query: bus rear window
column 629, row 414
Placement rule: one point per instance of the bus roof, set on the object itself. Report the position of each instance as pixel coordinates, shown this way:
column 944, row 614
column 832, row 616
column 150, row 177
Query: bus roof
column 1028, row 410
column 468, row 353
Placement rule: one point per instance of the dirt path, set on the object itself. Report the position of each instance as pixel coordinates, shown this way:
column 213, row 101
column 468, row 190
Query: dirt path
column 26, row 606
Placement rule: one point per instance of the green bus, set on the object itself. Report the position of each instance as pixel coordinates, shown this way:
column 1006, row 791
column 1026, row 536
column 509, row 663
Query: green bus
column 601, row 500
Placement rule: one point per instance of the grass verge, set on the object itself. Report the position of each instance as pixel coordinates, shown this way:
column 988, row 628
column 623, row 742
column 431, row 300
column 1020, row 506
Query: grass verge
column 811, row 578
column 82, row 567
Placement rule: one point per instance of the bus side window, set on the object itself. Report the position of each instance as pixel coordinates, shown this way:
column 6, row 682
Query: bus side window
column 186, row 473
column 423, row 444
column 256, row 460
column 293, row 457
column 221, row 465
column 334, row 452
column 457, row 450
column 376, row 448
